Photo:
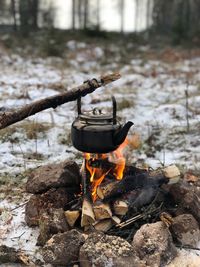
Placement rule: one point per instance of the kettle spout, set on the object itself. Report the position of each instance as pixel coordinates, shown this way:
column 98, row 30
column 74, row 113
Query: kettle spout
column 121, row 135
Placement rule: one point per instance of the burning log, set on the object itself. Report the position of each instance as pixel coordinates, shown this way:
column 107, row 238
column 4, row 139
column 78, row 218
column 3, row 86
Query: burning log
column 104, row 189
column 11, row 117
column 132, row 183
column 106, row 165
column 102, row 211
column 72, row 216
column 87, row 217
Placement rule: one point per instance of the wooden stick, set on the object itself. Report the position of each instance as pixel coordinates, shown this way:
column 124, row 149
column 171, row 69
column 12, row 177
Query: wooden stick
column 102, row 211
column 72, row 216
column 87, row 217
column 90, row 86
column 104, row 225
column 104, row 190
column 120, row 207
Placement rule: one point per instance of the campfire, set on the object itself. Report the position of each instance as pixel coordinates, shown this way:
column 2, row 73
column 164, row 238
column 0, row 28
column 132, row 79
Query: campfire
column 109, row 188
column 107, row 199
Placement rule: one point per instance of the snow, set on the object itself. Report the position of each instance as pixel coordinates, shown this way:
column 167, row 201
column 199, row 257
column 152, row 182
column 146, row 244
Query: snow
column 155, row 89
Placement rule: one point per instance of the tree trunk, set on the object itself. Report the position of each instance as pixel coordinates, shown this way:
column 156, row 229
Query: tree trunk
column 122, row 15
column 136, row 14
column 98, row 15
column 34, row 13
column 148, row 14
column 86, row 14
column 73, row 14
column 24, row 16
column 13, row 10
column 80, row 14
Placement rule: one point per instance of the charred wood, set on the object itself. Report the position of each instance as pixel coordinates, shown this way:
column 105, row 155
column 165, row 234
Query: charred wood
column 106, row 165
column 135, row 182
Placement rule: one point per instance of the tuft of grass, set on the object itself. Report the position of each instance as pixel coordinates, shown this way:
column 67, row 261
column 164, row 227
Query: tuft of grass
column 34, row 156
column 6, row 135
column 64, row 139
column 32, row 129
column 124, row 103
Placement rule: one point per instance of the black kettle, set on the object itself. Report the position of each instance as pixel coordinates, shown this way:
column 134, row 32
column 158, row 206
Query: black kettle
column 97, row 132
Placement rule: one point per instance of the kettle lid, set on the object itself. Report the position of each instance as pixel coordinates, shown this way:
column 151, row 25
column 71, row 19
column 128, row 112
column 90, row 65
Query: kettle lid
column 96, row 116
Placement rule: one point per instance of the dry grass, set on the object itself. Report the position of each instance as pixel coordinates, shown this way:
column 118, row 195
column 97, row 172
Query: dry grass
column 124, row 103
column 33, row 129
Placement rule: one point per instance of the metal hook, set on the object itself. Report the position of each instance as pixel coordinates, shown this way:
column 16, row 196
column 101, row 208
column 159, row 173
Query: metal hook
column 114, row 110
column 79, row 105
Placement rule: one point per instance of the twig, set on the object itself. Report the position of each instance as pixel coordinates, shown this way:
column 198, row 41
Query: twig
column 90, row 86
column 186, row 247
column 18, row 237
column 19, row 206
column 138, row 216
column 187, row 108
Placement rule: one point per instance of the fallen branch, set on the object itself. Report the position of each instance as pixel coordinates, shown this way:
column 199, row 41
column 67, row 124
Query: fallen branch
column 87, row 87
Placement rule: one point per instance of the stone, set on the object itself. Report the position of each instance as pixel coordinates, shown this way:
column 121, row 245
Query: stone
column 38, row 204
column 51, row 223
column 100, row 250
column 185, row 230
column 63, row 249
column 153, row 244
column 8, row 255
column 187, row 197
column 63, row 174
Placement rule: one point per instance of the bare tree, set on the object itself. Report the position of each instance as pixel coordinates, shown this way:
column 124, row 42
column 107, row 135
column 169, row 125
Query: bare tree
column 80, row 14
column 34, row 6
column 86, row 14
column 14, row 13
column 98, row 14
column 179, row 18
column 136, row 14
column 73, row 14
column 122, row 7
column 148, row 13
column 24, row 15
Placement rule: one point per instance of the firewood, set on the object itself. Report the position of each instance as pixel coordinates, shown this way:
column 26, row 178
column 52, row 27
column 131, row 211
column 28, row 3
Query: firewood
column 102, row 211
column 116, row 220
column 120, row 207
column 87, row 217
column 134, row 182
column 172, row 173
column 72, row 216
column 11, row 117
column 103, row 225
column 104, row 190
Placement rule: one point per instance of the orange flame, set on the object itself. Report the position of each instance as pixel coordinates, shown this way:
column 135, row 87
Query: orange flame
column 97, row 175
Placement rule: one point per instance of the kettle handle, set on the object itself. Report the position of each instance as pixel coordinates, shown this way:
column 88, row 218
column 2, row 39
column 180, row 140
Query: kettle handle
column 79, row 105
column 114, row 103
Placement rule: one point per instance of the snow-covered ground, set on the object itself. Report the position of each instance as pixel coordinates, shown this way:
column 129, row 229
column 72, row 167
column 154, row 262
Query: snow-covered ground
column 151, row 93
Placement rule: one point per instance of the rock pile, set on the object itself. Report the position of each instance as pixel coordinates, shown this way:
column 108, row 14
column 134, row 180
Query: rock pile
column 152, row 245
